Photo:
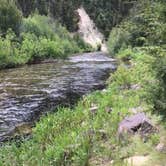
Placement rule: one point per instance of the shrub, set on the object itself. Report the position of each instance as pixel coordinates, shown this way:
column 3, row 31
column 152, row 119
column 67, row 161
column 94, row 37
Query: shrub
column 44, row 26
column 53, row 40
column 82, row 45
column 159, row 96
column 40, row 38
column 9, row 51
column 118, row 39
column 146, row 26
column 38, row 25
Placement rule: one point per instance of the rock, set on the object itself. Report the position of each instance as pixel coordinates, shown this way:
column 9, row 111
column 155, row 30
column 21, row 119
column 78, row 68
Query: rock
column 161, row 147
column 137, row 160
column 138, row 123
column 93, row 110
column 104, row 90
column 135, row 87
column 99, row 161
column 108, row 110
column 23, row 129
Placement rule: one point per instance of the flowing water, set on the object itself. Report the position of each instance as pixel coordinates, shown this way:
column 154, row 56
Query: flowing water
column 29, row 91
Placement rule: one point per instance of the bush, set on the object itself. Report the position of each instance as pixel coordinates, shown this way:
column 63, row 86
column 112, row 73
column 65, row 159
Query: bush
column 82, row 45
column 118, row 39
column 159, row 96
column 40, row 38
column 146, row 26
column 44, row 26
column 53, row 40
column 38, row 25
column 9, row 51
column 10, row 16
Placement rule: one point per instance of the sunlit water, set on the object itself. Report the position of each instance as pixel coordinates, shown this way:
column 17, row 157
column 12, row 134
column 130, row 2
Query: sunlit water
column 29, row 91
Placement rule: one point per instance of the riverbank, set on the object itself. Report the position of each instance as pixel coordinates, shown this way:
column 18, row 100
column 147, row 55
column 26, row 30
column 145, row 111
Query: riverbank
column 40, row 38
column 87, row 134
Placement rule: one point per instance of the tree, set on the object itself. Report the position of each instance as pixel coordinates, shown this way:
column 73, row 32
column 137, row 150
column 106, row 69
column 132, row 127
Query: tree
column 10, row 16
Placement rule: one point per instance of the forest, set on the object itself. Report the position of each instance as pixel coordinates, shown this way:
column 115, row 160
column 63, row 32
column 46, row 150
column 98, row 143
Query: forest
column 88, row 132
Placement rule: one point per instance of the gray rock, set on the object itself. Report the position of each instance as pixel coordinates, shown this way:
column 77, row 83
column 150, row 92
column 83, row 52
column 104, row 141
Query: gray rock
column 138, row 123
column 94, row 110
column 135, row 87
column 161, row 147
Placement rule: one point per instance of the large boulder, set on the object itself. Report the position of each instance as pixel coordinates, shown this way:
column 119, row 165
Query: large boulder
column 138, row 123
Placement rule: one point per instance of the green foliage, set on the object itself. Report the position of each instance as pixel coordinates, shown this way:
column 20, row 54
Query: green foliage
column 118, row 39
column 43, row 26
column 40, row 37
column 142, row 45
column 159, row 65
column 63, row 11
column 82, row 44
column 10, row 16
column 9, row 51
column 106, row 14
column 41, row 48
column 150, row 23
column 79, row 136
column 145, row 26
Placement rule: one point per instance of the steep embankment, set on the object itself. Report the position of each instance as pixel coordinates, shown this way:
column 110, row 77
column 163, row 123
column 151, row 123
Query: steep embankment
column 89, row 32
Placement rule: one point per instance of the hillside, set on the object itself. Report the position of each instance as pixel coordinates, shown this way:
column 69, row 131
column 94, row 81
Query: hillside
column 105, row 14
column 122, row 125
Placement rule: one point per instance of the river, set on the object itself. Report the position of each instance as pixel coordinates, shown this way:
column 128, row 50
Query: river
column 28, row 92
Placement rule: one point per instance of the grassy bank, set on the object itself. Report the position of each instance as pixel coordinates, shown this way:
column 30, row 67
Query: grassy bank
column 81, row 136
